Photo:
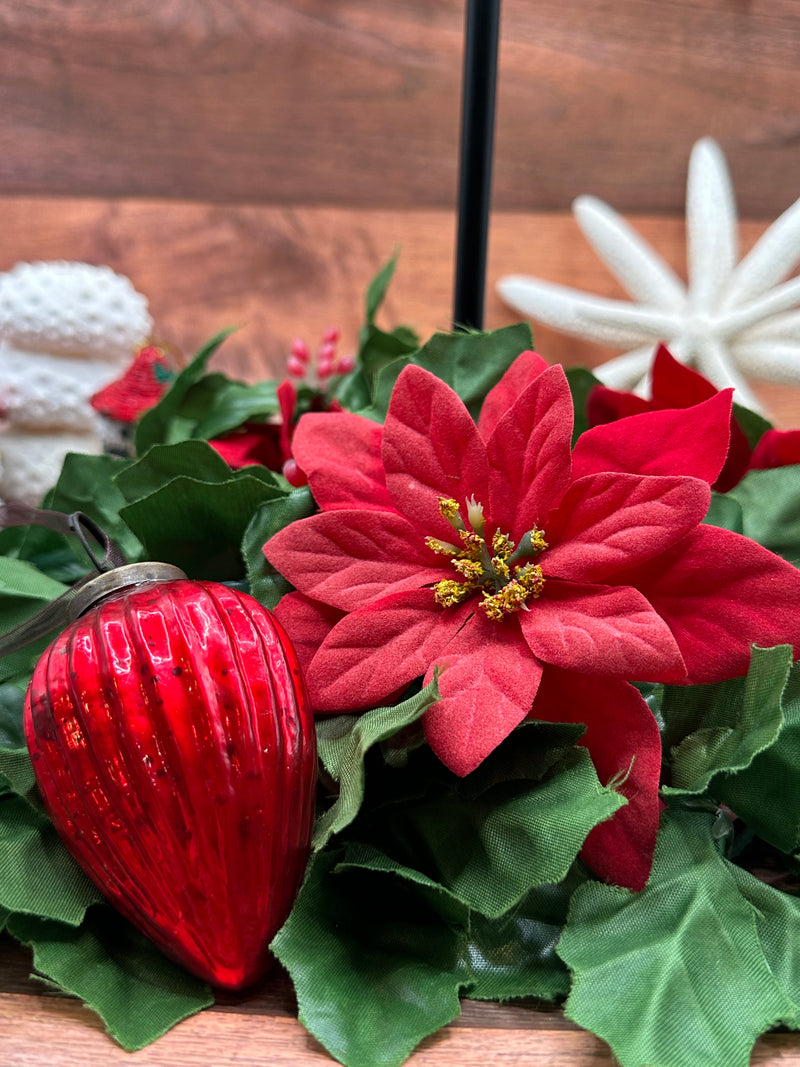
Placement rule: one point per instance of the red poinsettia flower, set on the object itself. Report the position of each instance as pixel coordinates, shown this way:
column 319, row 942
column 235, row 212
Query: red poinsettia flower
column 541, row 580
column 674, row 385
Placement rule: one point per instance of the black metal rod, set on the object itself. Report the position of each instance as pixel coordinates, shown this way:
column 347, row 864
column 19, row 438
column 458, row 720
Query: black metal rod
column 475, row 177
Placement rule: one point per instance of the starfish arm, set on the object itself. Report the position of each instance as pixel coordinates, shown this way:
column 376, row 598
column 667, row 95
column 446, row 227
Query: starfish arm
column 781, row 298
column 771, row 360
column 771, row 259
column 784, row 327
column 625, row 371
column 715, row 361
column 595, row 318
column 623, row 739
column 711, row 226
column 607, row 630
column 631, row 259
column 348, row 558
column 488, row 682
column 373, row 653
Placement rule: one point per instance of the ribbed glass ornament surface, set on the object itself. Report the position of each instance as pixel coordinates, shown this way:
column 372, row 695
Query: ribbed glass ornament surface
column 174, row 747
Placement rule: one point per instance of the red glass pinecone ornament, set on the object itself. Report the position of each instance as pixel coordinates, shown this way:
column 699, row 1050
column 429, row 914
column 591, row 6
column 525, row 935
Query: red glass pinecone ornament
column 174, row 747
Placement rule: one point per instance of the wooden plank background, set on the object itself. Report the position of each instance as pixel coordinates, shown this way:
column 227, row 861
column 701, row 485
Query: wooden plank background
column 255, row 162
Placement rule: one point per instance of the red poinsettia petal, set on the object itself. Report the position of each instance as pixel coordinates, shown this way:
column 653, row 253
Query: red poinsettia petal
column 348, row 558
column 777, row 448
column 721, row 592
column 607, row 405
column 529, row 454
column 608, row 522
column 307, row 623
column 675, row 385
column 691, row 441
column 599, row 629
column 341, row 456
column 373, row 653
column 488, row 682
column 525, row 369
column 623, row 739
column 431, row 450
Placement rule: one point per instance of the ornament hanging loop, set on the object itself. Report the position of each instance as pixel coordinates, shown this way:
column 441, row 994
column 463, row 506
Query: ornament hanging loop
column 80, row 525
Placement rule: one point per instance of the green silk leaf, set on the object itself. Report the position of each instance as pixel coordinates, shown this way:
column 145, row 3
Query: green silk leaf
column 342, row 743
column 676, row 974
column 768, row 499
column 234, row 403
column 489, row 849
column 581, row 382
column 765, row 794
column 725, row 512
column 266, row 584
column 375, row 959
column 162, row 423
column 753, row 425
column 161, row 463
column 739, row 722
column 138, row 993
column 37, row 874
column 471, row 363
column 199, row 525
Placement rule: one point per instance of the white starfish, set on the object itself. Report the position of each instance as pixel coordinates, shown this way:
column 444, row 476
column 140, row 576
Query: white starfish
column 731, row 322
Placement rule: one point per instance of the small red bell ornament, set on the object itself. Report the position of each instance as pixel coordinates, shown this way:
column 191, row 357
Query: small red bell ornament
column 173, row 745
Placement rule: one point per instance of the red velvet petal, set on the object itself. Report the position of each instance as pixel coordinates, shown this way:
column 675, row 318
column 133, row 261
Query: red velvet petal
column 525, row 369
column 431, row 449
column 600, row 629
column 529, row 454
column 488, row 683
column 675, row 385
column 607, row 405
column 691, row 441
column 349, row 558
column 373, row 653
column 307, row 623
column 608, row 522
column 253, row 443
column 623, row 739
column 341, row 455
column 777, row 448
column 720, row 593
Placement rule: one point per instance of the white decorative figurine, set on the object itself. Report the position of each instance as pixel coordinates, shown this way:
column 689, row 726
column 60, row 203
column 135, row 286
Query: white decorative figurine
column 732, row 321
column 66, row 330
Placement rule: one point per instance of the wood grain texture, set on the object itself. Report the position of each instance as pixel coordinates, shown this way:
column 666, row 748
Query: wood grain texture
column 283, row 272
column 357, row 102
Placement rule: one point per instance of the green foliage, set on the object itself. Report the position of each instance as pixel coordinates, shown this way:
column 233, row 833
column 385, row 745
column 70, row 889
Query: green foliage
column 137, row 992
column 771, row 516
column 581, row 382
column 266, row 584
column 471, row 363
column 677, row 974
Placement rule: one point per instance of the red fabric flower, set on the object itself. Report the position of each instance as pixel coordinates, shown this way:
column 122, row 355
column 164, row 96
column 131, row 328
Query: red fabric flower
column 542, row 581
column 265, row 443
column 142, row 385
column 674, row 385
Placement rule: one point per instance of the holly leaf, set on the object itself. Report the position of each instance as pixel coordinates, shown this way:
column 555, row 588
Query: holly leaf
column 765, row 794
column 15, row 763
column 778, row 924
column 375, row 960
column 342, row 743
column 581, row 382
column 471, row 363
column 768, row 499
column 738, row 722
column 199, row 525
column 675, row 974
column 753, row 425
column 138, row 993
column 37, row 874
column 266, row 584
column 234, row 403
column 725, row 512
column 161, row 463
column 489, row 850
column 162, row 423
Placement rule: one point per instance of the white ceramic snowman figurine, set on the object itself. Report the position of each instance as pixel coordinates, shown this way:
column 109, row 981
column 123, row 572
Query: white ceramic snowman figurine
column 66, row 330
